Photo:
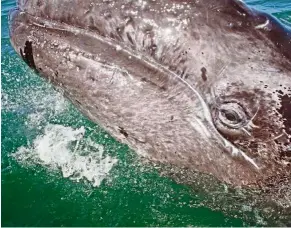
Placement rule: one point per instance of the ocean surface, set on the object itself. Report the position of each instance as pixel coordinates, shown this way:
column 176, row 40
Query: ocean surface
column 60, row 169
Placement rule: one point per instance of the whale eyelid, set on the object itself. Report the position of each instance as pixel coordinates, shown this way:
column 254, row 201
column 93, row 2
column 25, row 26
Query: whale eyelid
column 243, row 118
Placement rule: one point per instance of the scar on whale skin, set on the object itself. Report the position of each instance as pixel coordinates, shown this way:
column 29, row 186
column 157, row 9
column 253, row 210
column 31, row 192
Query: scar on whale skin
column 122, row 131
column 27, row 55
column 203, row 73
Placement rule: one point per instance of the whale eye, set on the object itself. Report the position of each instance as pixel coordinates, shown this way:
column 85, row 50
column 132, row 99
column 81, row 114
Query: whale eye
column 231, row 115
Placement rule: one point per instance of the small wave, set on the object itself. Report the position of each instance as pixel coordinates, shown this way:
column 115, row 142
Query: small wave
column 66, row 149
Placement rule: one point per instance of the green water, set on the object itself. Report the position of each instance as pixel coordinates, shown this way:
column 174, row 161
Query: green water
column 38, row 190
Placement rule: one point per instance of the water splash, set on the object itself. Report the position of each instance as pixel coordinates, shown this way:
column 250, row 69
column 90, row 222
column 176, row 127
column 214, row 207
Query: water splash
column 66, row 149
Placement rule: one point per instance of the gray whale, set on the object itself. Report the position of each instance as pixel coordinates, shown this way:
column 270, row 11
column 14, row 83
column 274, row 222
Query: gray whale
column 204, row 85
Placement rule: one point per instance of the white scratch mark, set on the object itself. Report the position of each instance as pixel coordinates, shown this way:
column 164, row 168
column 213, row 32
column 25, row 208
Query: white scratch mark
column 263, row 26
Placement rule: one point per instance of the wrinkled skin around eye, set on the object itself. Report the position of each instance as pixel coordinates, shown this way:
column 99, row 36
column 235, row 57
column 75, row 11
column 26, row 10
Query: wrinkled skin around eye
column 256, row 121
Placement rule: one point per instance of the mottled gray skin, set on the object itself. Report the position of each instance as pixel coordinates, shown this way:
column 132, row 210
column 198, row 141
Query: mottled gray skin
column 203, row 85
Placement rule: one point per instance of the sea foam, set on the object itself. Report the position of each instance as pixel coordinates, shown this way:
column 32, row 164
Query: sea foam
column 66, row 149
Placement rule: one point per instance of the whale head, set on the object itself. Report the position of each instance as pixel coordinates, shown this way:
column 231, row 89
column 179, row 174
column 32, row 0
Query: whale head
column 204, row 85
